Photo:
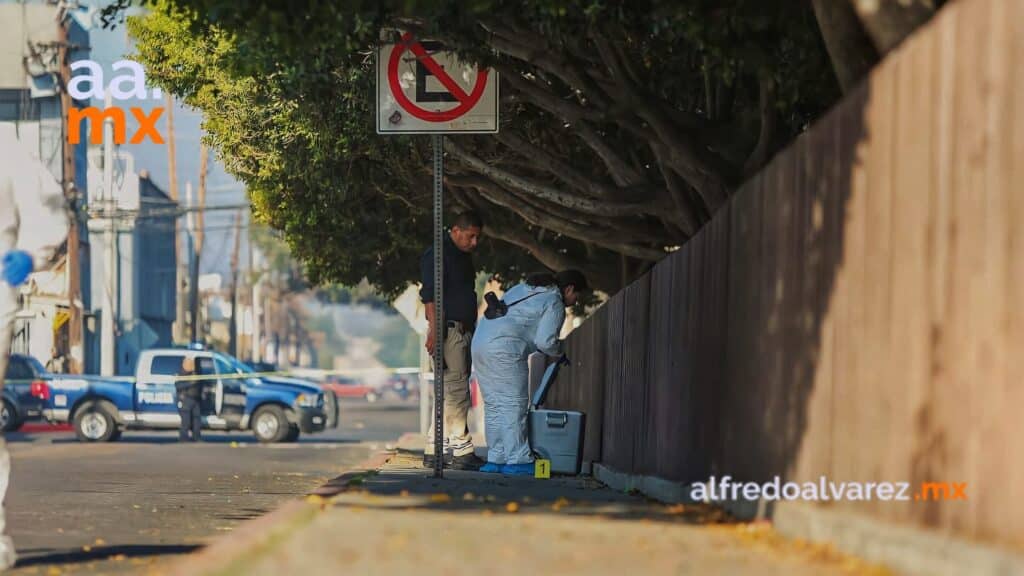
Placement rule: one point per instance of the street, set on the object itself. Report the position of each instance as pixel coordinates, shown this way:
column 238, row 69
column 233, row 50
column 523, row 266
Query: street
column 129, row 506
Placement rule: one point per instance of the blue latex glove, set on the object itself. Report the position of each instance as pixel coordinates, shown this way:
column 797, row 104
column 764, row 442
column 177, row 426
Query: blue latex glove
column 15, row 267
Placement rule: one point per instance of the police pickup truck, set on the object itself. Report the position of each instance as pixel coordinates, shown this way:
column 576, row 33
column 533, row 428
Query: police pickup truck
column 233, row 398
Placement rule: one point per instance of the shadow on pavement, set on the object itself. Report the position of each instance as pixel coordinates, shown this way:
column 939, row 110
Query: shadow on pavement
column 408, row 486
column 44, row 557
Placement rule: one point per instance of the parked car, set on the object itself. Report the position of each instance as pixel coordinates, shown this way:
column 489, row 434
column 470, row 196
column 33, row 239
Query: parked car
column 23, row 391
column 331, row 412
column 99, row 409
column 402, row 387
column 346, row 387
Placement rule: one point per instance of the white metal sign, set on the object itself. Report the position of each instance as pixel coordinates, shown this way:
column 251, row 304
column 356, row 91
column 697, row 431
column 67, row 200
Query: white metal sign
column 422, row 89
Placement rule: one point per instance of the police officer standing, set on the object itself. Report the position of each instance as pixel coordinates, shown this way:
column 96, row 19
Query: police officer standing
column 189, row 392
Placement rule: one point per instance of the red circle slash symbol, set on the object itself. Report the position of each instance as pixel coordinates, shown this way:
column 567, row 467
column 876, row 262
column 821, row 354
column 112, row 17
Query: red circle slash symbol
column 466, row 101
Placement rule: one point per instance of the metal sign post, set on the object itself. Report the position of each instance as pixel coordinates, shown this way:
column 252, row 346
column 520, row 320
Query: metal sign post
column 439, row 322
column 424, row 89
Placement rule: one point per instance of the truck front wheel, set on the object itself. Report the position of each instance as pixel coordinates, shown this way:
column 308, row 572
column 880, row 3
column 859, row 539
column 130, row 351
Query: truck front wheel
column 270, row 424
column 94, row 423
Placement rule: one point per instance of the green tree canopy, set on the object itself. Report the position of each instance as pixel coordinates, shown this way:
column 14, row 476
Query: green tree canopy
column 625, row 125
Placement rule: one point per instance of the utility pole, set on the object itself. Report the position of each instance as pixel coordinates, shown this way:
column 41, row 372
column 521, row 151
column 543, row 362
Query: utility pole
column 193, row 266
column 107, row 340
column 172, row 183
column 200, row 216
column 233, row 346
column 76, row 351
column 256, row 305
column 197, row 244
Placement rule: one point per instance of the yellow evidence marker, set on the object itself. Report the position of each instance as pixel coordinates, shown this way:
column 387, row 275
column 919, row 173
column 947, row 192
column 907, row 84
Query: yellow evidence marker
column 542, row 468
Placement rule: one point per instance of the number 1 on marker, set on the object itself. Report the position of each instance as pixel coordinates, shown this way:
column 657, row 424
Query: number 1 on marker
column 542, row 468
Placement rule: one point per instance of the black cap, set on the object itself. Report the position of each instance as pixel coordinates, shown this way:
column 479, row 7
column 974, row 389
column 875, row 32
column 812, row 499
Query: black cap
column 573, row 277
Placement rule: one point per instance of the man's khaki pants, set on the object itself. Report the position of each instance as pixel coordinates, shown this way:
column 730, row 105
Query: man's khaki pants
column 456, row 395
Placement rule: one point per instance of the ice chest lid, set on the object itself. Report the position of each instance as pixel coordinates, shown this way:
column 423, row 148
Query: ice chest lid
column 550, row 373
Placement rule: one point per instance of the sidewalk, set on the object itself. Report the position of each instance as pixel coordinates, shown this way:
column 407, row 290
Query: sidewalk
column 397, row 519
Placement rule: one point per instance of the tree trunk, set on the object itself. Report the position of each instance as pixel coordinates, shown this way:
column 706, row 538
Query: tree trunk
column 849, row 48
column 888, row 22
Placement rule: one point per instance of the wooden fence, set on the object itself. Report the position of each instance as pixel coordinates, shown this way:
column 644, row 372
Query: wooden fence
column 856, row 310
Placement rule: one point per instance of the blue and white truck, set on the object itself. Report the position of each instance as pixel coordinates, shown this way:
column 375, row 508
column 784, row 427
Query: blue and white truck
column 234, row 398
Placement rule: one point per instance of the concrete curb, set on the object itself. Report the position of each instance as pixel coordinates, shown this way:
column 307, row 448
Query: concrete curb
column 904, row 549
column 219, row 554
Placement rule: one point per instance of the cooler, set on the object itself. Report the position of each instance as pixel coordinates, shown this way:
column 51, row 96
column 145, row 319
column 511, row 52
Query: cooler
column 556, row 435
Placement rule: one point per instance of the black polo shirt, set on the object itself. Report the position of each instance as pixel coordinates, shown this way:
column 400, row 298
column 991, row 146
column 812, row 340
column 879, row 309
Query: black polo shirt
column 459, row 282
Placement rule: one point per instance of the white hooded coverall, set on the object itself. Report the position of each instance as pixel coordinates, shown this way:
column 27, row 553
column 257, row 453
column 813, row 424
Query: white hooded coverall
column 500, row 350
column 33, row 218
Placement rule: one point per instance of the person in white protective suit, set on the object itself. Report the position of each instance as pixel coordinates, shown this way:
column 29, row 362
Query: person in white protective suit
column 33, row 225
column 528, row 319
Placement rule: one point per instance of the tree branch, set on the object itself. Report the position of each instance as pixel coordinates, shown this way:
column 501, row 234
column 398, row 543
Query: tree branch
column 769, row 121
column 688, row 221
column 704, row 173
column 600, row 236
column 578, row 117
column 538, row 52
column 888, row 23
column 563, row 171
column 849, row 48
column 541, row 190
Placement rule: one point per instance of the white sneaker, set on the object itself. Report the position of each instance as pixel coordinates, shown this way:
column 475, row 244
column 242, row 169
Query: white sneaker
column 8, row 557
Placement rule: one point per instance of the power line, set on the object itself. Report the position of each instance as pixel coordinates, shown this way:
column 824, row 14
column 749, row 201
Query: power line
column 175, row 212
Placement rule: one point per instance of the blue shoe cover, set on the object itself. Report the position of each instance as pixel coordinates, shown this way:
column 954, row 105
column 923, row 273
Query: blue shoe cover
column 518, row 469
column 491, row 468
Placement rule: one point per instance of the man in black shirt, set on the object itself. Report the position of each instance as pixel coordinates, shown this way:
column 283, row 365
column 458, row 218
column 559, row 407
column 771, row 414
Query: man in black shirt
column 460, row 309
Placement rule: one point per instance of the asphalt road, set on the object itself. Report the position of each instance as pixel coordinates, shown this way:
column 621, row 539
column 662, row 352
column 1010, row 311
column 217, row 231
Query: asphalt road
column 131, row 506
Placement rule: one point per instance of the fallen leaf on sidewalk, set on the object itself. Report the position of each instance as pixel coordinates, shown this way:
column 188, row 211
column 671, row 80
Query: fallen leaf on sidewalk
column 440, row 498
column 487, row 512
column 404, row 493
column 559, row 504
column 100, row 542
column 512, row 507
column 676, row 509
column 117, row 558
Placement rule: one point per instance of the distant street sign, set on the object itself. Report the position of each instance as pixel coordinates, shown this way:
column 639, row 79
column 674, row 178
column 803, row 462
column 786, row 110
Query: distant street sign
column 422, row 89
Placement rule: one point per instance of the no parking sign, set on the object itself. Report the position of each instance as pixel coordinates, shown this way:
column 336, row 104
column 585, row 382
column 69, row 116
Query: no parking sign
column 423, row 89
